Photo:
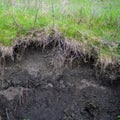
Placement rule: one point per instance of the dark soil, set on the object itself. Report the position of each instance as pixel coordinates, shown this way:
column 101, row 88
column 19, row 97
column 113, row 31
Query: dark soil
column 33, row 89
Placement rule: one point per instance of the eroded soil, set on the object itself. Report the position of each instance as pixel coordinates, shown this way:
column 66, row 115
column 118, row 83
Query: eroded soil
column 34, row 90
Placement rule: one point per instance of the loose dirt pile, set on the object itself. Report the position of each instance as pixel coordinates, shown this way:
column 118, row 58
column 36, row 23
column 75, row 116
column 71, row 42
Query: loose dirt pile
column 49, row 78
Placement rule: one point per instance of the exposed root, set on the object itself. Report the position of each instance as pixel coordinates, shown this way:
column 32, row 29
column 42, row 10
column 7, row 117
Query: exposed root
column 7, row 114
column 66, row 50
column 4, row 53
column 2, row 71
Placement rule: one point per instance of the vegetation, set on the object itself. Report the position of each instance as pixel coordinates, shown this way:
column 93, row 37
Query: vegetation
column 118, row 117
column 91, row 21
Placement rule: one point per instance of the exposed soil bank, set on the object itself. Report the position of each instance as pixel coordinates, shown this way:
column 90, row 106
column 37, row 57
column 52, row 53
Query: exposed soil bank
column 40, row 85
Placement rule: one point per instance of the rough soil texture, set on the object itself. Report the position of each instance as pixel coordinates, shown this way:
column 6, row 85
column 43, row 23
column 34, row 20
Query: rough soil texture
column 33, row 89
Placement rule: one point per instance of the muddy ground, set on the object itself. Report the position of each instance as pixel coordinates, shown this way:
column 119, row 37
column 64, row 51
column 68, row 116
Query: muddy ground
column 33, row 89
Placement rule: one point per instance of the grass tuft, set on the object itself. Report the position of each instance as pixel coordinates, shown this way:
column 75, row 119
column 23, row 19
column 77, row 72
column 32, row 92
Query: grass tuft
column 84, row 20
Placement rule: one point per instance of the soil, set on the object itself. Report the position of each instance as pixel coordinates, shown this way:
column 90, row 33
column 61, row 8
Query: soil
column 33, row 89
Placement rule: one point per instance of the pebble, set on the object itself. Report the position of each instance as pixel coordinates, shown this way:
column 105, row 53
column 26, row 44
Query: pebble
column 49, row 85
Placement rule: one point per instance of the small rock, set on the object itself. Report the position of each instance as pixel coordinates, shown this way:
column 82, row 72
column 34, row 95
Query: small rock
column 49, row 85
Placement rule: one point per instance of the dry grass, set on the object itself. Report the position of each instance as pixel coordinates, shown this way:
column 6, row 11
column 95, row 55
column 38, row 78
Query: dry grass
column 66, row 48
column 64, row 51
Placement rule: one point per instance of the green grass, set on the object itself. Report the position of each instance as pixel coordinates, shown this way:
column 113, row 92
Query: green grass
column 92, row 18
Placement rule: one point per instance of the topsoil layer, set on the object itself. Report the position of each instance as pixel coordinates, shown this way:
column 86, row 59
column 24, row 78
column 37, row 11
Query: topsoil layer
column 33, row 89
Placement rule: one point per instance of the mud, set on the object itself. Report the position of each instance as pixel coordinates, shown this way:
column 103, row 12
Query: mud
column 33, row 89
